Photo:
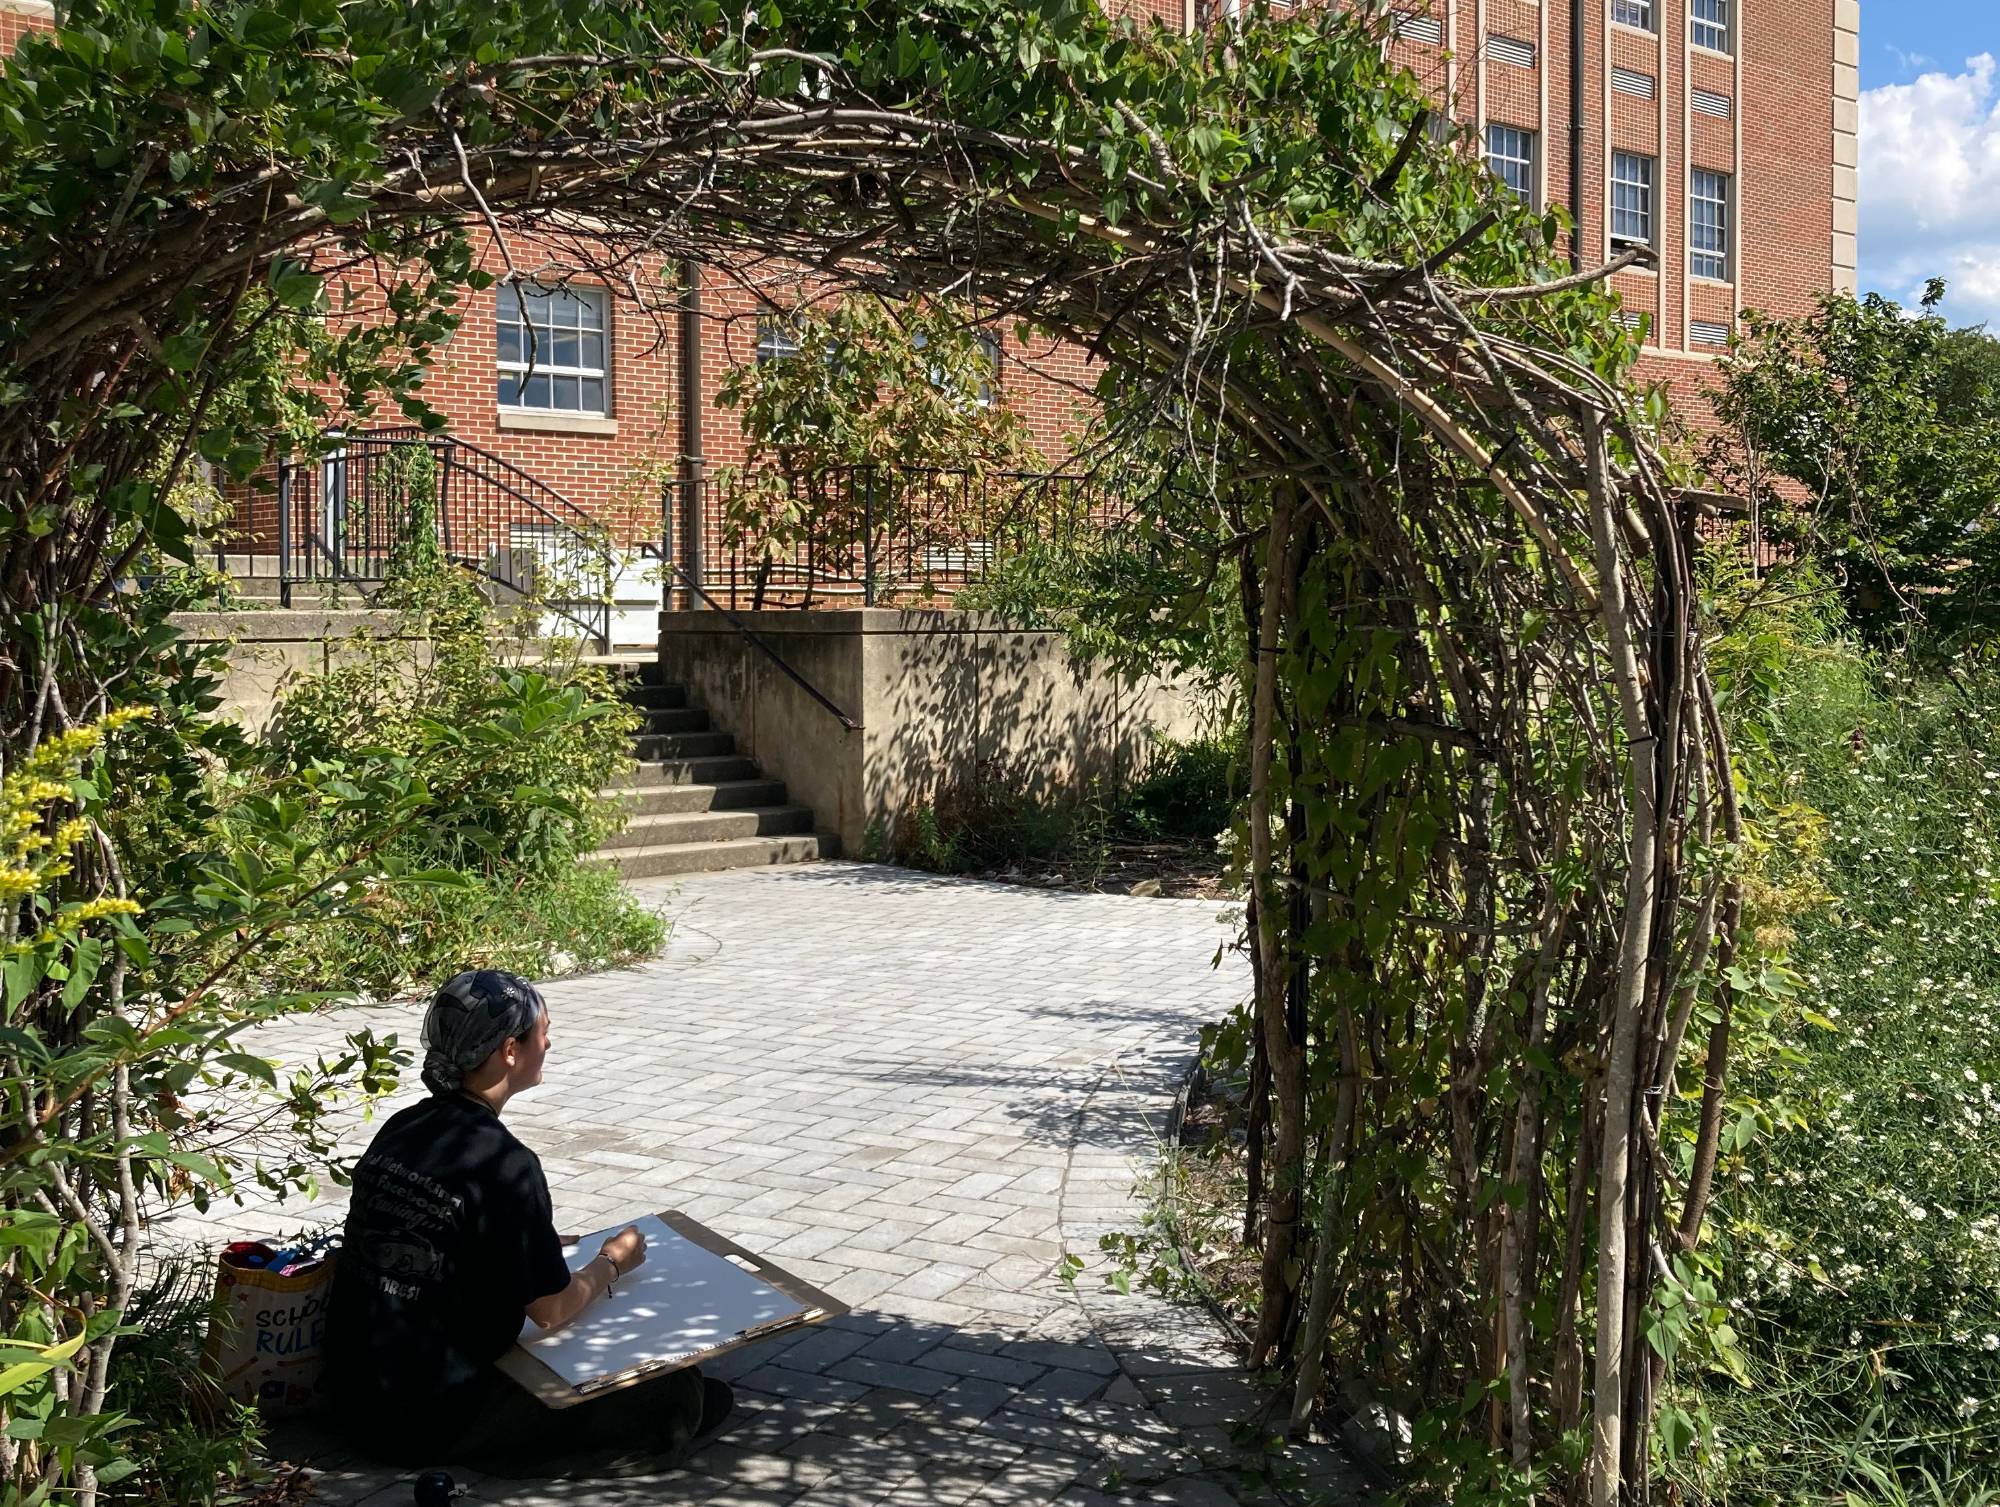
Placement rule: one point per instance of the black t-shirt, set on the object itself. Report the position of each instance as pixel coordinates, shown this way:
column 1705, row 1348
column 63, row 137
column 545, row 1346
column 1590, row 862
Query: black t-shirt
column 449, row 1237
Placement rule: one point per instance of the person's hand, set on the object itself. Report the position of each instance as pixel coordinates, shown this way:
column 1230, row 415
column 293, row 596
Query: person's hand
column 627, row 1248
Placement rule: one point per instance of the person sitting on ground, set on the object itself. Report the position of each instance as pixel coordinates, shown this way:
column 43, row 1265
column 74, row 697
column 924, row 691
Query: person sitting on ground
column 450, row 1241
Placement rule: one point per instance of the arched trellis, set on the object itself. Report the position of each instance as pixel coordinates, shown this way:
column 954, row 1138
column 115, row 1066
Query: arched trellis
column 1466, row 572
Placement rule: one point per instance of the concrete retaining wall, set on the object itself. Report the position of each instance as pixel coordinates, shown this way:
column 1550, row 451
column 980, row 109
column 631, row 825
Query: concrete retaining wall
column 269, row 650
column 938, row 693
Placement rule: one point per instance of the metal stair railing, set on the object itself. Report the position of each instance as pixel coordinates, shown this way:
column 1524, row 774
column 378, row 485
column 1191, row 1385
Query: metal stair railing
column 876, row 533
column 351, row 516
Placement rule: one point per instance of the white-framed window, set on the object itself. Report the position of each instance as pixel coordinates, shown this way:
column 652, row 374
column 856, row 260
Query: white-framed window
column 986, row 389
column 1710, row 20
column 1510, row 153
column 553, row 345
column 777, row 337
column 1637, row 13
column 1631, row 200
column 1708, row 225
column 988, row 392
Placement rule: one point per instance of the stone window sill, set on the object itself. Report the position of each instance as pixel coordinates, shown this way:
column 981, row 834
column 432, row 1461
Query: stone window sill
column 537, row 421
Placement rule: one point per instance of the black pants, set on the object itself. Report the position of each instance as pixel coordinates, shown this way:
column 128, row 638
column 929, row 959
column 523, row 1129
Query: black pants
column 502, row 1429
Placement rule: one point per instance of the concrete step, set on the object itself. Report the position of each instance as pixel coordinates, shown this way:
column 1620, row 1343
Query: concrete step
column 721, row 769
column 703, row 857
column 650, row 746
column 653, row 698
column 676, row 719
column 729, row 795
column 672, row 828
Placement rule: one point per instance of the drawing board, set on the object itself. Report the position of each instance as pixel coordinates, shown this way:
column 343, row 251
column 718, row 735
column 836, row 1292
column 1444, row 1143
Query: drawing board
column 696, row 1295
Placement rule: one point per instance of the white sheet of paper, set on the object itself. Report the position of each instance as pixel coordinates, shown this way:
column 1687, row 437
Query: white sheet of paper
column 680, row 1301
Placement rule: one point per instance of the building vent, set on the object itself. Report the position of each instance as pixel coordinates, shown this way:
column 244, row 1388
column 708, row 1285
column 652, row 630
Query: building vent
column 1708, row 102
column 1632, row 321
column 1510, row 50
column 1625, row 81
column 1705, row 332
column 1419, row 28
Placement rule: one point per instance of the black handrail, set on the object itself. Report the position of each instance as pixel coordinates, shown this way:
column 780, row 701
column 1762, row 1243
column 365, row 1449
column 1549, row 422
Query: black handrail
column 556, row 504
column 749, row 633
column 480, row 498
column 881, row 530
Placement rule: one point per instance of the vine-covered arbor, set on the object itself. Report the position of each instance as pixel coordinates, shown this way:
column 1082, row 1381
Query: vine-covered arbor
column 1488, row 787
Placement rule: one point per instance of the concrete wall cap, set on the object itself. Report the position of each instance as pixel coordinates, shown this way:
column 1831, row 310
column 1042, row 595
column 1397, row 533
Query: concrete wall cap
column 772, row 622
column 282, row 626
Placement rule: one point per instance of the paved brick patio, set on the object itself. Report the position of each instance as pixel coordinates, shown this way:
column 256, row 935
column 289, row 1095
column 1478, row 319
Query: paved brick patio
column 917, row 1093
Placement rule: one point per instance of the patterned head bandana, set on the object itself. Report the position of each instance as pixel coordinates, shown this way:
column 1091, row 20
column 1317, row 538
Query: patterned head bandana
column 472, row 1014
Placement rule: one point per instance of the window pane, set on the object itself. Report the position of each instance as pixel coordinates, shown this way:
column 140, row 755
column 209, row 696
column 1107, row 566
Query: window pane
column 1631, row 199
column 775, row 339
column 1510, row 153
column 1708, row 225
column 593, row 395
column 1710, row 19
column 551, row 330
column 1633, row 13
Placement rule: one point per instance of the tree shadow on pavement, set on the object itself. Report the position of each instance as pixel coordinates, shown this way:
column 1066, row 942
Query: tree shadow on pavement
column 872, row 1407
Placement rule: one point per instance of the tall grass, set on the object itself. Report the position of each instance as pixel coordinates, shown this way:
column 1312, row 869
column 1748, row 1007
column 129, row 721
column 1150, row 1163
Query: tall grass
column 1859, row 1222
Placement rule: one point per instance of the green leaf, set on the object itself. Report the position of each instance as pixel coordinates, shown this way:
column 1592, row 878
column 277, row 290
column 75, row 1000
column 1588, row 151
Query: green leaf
column 85, row 961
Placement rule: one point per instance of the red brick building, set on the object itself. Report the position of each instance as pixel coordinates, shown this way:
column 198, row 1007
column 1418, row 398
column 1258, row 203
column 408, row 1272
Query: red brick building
column 1719, row 133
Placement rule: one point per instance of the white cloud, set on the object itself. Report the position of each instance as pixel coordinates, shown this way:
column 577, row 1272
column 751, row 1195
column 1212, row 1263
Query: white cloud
column 1930, row 188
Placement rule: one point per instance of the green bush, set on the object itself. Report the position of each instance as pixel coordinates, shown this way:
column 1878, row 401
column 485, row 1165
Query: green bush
column 576, row 919
column 552, row 729
column 1003, row 818
column 553, row 735
column 1188, row 791
column 999, row 819
column 194, row 1438
column 1859, row 1207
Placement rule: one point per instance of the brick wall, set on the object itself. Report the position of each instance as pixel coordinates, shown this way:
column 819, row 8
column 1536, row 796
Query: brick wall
column 18, row 18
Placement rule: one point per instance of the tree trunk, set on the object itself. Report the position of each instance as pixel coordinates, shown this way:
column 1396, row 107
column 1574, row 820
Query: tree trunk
column 1628, row 994
column 1319, row 1308
column 1287, row 1057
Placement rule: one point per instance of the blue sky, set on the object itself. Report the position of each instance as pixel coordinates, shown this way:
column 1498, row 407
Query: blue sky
column 1930, row 151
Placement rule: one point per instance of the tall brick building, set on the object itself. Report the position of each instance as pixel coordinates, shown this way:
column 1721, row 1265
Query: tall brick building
column 1720, row 133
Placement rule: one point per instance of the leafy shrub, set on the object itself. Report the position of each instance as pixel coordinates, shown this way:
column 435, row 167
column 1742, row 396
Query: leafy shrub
column 194, row 1438
column 1188, row 790
column 1859, row 1212
column 555, row 733
column 1003, row 818
column 999, row 819
column 573, row 920
column 552, row 735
